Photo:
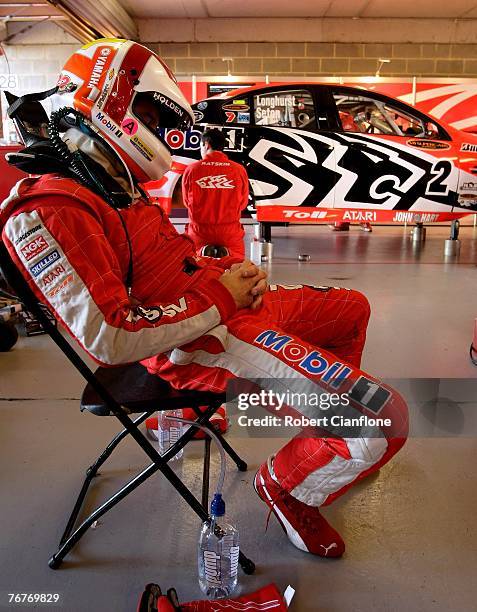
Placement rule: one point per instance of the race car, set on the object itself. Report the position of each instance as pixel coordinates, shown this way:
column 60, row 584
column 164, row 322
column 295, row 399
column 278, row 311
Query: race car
column 319, row 153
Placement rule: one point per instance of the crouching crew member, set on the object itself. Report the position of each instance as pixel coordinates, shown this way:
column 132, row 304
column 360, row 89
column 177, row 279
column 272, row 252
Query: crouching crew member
column 215, row 191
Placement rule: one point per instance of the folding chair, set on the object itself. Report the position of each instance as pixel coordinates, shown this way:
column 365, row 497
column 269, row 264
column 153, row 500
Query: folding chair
column 121, row 392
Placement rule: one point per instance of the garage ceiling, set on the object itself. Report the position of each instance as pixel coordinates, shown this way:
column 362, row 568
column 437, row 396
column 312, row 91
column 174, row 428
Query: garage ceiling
column 89, row 19
column 197, row 9
column 27, row 10
column 203, row 9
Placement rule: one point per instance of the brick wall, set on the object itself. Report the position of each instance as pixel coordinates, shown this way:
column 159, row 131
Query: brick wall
column 320, row 58
column 36, row 66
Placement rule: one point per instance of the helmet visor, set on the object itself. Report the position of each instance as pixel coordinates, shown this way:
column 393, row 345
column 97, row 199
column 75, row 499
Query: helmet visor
column 156, row 111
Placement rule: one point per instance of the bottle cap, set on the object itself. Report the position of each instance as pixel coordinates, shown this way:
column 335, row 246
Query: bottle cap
column 217, row 505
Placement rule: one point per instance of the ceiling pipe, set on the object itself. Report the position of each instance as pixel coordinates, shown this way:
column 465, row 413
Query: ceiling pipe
column 91, row 19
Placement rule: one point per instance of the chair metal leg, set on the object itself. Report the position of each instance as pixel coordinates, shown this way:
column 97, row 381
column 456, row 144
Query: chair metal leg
column 162, row 466
column 57, row 559
column 239, row 462
column 159, row 464
column 91, row 472
column 66, row 545
column 114, row 443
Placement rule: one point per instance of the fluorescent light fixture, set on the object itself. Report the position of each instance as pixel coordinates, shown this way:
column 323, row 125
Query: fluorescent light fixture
column 229, row 61
column 381, row 61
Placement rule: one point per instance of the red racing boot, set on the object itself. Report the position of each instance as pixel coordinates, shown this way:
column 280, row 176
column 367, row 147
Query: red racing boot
column 304, row 525
column 218, row 421
column 339, row 226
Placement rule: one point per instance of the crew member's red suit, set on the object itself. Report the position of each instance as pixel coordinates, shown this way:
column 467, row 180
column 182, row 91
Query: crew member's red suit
column 183, row 323
column 215, row 190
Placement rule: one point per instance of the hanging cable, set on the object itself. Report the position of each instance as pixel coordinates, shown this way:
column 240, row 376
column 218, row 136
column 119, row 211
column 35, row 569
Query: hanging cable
column 79, row 164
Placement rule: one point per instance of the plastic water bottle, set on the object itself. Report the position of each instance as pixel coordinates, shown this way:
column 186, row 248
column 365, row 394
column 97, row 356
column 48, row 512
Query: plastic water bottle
column 218, row 553
column 169, row 431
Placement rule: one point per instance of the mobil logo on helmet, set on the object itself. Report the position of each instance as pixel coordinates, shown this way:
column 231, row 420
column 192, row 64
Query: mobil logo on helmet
column 175, row 139
column 108, row 124
column 310, row 361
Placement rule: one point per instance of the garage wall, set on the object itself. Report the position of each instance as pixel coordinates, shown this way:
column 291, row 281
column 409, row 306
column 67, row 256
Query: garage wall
column 278, row 47
column 36, row 55
column 320, row 58
column 38, row 65
column 316, row 47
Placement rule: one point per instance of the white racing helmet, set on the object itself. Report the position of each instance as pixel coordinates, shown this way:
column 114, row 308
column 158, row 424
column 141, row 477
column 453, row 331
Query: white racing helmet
column 129, row 94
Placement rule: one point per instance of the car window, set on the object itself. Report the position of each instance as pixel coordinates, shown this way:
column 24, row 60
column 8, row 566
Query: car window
column 288, row 108
column 366, row 115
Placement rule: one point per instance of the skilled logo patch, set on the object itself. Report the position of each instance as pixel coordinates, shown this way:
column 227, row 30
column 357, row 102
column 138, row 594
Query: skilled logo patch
column 469, row 186
column 45, row 263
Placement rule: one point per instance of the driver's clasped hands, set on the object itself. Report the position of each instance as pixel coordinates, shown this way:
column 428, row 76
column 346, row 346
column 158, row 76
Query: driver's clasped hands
column 247, row 283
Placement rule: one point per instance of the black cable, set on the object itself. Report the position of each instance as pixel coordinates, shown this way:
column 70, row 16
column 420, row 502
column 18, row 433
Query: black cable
column 471, row 354
column 77, row 163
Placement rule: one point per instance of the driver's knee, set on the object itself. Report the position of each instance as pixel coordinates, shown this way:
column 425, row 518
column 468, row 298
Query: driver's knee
column 361, row 308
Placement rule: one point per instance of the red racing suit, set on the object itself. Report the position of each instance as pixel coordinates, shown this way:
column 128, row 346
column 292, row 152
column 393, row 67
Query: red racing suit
column 215, row 190
column 184, row 325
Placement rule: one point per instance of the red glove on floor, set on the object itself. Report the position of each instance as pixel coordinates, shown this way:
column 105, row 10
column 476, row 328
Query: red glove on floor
column 266, row 598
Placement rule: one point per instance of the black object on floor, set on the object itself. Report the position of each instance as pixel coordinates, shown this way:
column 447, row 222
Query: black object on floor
column 8, row 336
column 120, row 392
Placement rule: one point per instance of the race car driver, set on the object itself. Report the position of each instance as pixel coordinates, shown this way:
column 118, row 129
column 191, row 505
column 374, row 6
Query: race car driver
column 128, row 287
column 215, row 190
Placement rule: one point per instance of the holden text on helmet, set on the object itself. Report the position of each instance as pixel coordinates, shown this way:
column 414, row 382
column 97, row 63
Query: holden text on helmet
column 169, row 103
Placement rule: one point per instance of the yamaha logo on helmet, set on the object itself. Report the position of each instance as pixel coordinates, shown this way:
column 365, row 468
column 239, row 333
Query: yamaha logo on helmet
column 101, row 62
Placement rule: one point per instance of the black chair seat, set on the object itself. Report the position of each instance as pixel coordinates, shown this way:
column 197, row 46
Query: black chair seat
column 138, row 391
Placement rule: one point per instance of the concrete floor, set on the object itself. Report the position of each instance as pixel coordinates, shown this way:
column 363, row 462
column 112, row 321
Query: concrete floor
column 410, row 531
